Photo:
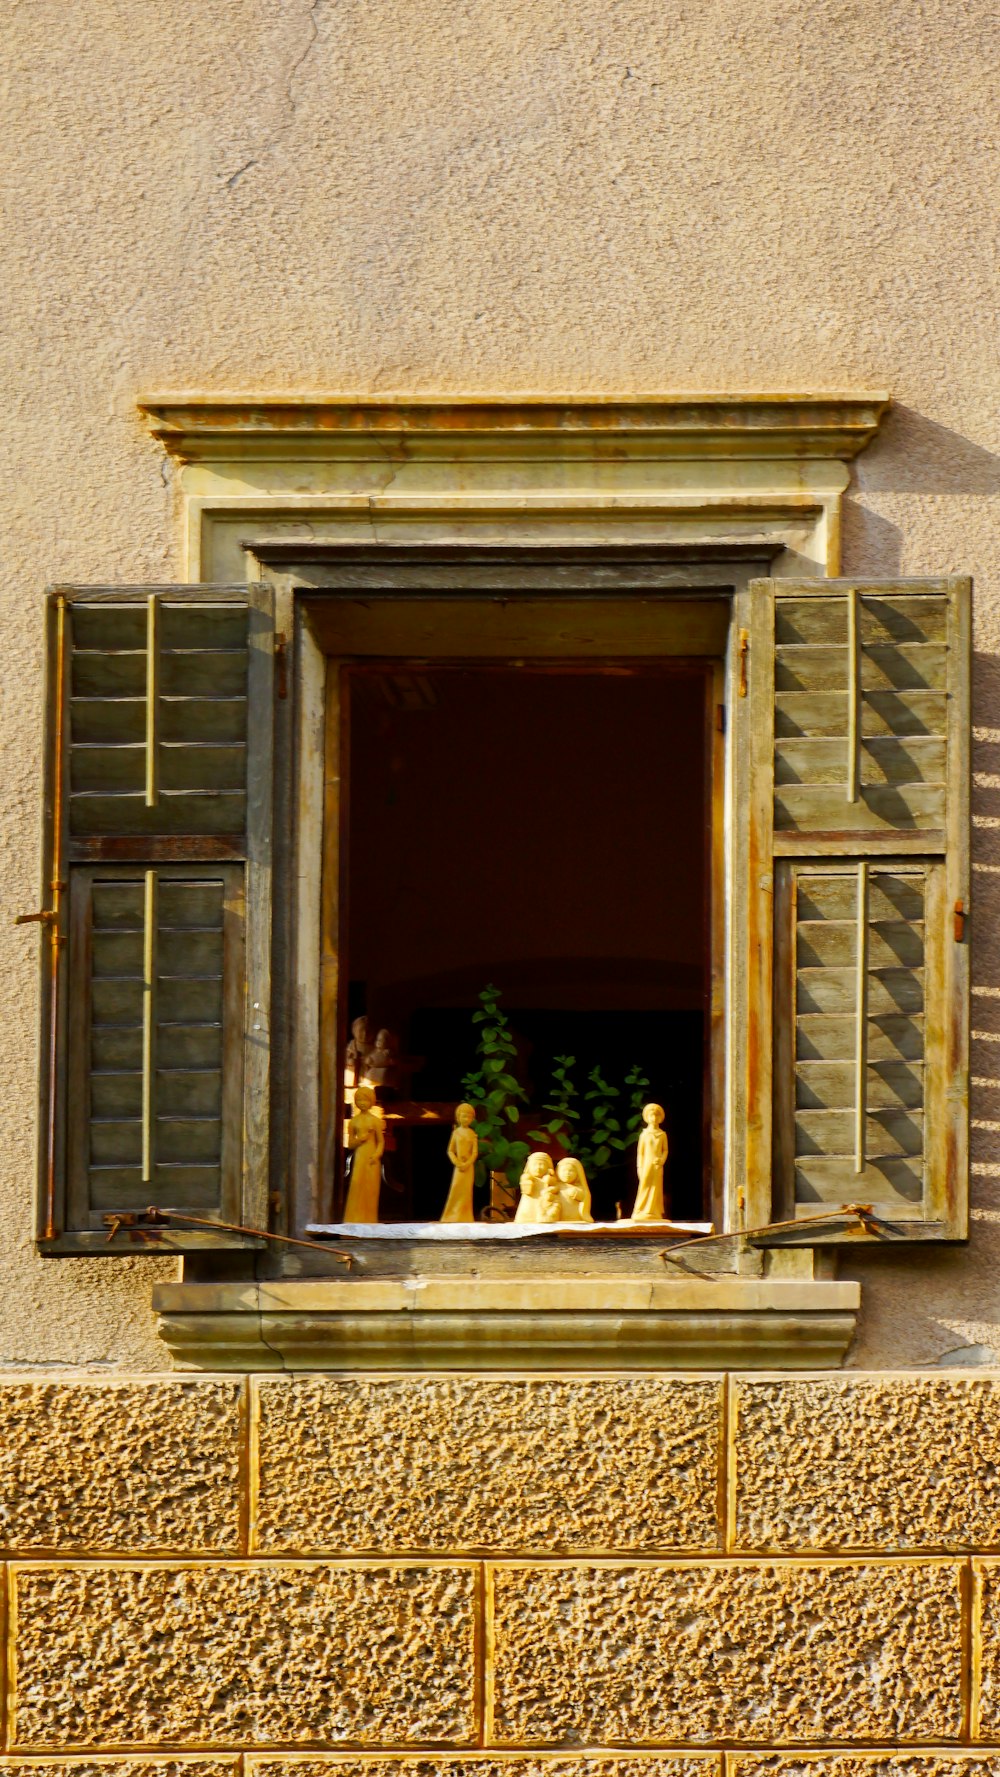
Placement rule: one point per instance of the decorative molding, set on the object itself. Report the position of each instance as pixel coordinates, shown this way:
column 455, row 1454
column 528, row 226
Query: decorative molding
column 534, row 1323
column 206, row 428
column 684, row 468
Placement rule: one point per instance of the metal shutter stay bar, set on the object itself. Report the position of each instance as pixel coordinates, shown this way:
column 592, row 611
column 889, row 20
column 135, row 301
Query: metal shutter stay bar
column 861, row 1020
column 148, row 1025
column 853, row 695
column 152, row 700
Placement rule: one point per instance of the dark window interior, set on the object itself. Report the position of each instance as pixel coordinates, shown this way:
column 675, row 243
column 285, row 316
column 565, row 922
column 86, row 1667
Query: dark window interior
column 545, row 830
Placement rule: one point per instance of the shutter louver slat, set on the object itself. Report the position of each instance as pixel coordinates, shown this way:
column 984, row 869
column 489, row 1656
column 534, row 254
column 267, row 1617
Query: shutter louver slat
column 144, row 691
column 162, row 771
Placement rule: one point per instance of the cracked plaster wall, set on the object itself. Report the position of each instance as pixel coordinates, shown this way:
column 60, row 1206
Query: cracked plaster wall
column 473, row 196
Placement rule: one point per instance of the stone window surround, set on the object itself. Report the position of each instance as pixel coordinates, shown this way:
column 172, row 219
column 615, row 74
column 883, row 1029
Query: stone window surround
column 698, row 470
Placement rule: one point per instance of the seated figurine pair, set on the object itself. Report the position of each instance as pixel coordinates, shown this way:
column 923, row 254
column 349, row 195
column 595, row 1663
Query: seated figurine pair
column 553, row 1194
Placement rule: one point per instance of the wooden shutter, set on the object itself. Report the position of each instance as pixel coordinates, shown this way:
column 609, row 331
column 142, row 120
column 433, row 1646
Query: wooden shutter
column 157, row 870
column 867, row 689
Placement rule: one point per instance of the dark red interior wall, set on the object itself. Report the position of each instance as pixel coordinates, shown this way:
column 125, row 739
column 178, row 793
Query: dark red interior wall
column 545, row 831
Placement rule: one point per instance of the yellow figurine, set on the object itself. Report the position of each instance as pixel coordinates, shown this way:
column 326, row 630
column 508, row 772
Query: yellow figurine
column 539, row 1200
column 463, row 1152
column 366, row 1141
column 574, row 1192
column 650, row 1161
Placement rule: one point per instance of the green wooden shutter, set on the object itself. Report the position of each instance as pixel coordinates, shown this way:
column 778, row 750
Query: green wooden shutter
column 871, row 714
column 156, row 990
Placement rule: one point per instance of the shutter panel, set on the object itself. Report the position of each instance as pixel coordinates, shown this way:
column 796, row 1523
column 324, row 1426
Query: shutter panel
column 159, row 801
column 870, row 834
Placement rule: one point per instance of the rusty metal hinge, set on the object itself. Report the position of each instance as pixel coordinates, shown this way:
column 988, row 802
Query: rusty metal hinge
column 47, row 917
column 960, row 918
column 281, row 662
column 744, row 659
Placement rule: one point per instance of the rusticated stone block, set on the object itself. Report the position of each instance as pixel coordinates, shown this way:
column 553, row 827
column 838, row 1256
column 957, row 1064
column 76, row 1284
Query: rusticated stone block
column 243, row 1655
column 124, row 1466
column 656, row 1764
column 988, row 1588
column 182, row 1766
column 865, row 1764
column 619, row 1653
column 871, row 1764
column 352, row 1464
column 867, row 1463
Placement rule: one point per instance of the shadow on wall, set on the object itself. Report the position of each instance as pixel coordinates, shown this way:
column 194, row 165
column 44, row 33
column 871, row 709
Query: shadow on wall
column 947, row 1301
column 985, row 1054
column 911, row 455
column 944, row 1305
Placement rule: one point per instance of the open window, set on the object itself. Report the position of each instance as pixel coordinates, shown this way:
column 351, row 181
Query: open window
column 528, row 806
column 704, row 826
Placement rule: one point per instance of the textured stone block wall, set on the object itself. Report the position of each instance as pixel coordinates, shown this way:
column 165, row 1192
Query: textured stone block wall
column 578, row 1577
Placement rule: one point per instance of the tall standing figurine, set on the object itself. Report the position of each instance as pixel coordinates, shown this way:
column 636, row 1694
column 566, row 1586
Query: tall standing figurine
column 463, row 1152
column 650, row 1161
column 366, row 1141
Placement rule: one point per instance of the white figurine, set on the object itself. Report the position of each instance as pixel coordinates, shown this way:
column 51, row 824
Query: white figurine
column 355, row 1052
column 378, row 1064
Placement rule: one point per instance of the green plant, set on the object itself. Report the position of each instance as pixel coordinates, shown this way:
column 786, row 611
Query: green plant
column 565, row 1118
column 497, row 1096
column 607, row 1128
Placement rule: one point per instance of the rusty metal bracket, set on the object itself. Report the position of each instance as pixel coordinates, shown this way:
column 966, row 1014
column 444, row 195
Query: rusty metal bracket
column 858, row 1212
column 150, row 1224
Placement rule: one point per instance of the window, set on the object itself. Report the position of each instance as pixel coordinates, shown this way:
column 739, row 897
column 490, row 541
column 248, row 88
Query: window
column 204, row 946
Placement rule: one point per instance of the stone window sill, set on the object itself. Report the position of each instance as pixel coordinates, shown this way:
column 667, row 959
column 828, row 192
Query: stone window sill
column 535, row 1323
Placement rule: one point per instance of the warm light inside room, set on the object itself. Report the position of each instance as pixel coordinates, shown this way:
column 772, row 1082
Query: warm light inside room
column 547, row 830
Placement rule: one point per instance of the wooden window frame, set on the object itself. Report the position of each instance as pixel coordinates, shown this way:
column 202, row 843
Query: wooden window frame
column 308, row 582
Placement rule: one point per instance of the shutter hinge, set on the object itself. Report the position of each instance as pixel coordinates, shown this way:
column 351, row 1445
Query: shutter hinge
column 281, row 662
column 744, row 653
column 960, row 918
column 47, row 918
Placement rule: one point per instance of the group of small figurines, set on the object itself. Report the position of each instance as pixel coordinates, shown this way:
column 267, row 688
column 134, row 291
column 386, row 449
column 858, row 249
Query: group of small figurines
column 549, row 1193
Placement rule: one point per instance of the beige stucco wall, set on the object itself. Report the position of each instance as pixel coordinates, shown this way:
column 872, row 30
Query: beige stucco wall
column 470, row 196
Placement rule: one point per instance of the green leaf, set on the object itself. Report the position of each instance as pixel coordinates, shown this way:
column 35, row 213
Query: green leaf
column 511, row 1112
column 539, row 1135
column 602, row 1156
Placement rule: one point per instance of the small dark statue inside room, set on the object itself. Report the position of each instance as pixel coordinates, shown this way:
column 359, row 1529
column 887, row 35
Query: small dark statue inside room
column 526, row 905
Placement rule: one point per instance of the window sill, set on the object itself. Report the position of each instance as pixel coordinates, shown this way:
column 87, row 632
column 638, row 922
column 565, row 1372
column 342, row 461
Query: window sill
column 536, row 1323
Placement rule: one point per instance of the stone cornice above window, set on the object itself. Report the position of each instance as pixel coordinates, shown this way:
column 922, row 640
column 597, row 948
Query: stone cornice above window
column 523, row 469
column 207, row 428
